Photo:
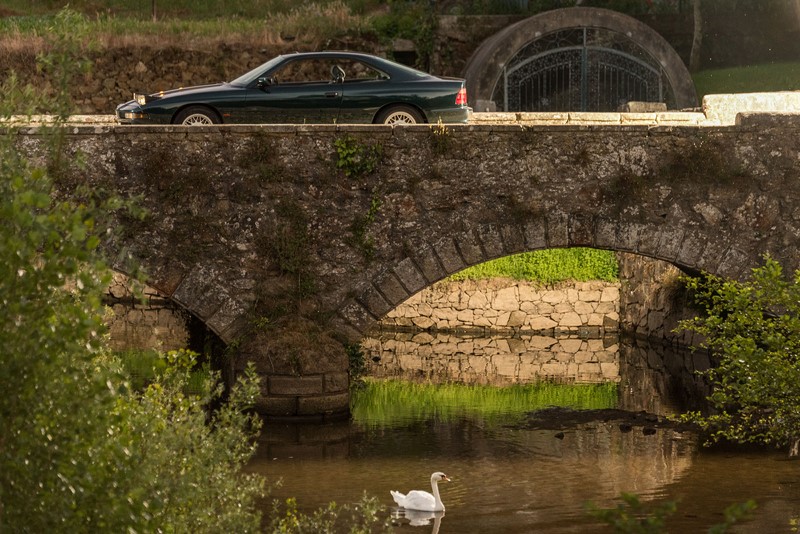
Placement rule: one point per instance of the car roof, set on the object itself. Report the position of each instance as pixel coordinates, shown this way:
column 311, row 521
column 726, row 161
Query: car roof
column 393, row 68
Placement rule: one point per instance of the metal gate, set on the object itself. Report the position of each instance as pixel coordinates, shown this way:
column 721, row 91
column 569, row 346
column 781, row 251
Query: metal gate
column 581, row 69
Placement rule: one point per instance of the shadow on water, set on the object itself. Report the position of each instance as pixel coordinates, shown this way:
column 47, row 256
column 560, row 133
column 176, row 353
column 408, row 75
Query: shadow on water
column 511, row 474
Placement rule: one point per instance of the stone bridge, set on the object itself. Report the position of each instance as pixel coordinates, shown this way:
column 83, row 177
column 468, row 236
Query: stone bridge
column 291, row 241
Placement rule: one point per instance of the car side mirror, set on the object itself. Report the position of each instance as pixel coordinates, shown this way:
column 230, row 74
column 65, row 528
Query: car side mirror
column 337, row 74
column 265, row 82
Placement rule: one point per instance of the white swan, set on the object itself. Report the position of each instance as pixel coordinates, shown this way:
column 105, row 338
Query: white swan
column 422, row 500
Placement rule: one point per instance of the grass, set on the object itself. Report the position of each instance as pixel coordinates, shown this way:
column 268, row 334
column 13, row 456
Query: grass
column 751, row 79
column 548, row 266
column 309, row 24
column 186, row 9
column 142, row 367
column 395, row 402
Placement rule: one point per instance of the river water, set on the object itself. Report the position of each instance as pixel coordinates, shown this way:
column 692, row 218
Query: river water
column 510, row 476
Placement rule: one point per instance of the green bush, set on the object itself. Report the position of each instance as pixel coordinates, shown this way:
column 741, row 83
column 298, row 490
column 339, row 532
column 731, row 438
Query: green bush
column 752, row 329
column 80, row 450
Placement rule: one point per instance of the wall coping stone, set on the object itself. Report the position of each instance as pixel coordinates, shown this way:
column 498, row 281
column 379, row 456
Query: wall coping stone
column 717, row 110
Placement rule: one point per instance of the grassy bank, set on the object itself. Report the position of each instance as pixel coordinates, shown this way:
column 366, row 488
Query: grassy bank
column 393, row 402
column 548, row 266
column 751, row 79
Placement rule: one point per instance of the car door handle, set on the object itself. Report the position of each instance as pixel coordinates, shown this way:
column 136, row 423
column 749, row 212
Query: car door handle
column 332, row 94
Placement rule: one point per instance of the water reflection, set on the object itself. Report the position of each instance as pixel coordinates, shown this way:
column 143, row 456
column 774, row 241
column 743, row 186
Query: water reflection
column 508, row 477
column 417, row 518
column 655, row 378
column 497, row 360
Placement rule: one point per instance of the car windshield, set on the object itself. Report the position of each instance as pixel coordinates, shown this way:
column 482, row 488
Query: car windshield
column 248, row 78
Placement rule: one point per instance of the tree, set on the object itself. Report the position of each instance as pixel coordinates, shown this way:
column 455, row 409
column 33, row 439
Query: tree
column 753, row 332
column 80, row 451
column 697, row 36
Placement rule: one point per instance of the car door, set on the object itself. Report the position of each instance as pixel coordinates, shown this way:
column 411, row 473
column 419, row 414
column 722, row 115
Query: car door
column 301, row 91
column 365, row 90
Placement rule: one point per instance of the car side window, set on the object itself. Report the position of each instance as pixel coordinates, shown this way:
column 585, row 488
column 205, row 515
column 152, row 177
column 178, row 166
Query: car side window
column 359, row 71
column 304, row 71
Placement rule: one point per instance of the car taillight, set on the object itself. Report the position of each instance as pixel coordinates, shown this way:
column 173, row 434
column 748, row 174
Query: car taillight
column 461, row 97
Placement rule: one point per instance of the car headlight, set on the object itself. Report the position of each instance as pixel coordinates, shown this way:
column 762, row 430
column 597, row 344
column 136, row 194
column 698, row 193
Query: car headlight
column 143, row 99
column 134, row 115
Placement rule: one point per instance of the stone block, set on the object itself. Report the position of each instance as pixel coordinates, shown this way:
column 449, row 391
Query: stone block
column 541, row 323
column 428, row 264
column 410, row 276
column 557, row 230
column 295, row 385
column 276, row 406
column 553, row 297
column 324, row 404
column 588, row 117
column 725, row 107
column 570, row 346
column 594, row 319
column 373, row 301
column 337, row 382
column 570, row 320
column 516, row 319
column 610, row 370
column 470, row 249
column 391, row 288
column 448, row 254
column 536, row 235
column 610, row 294
column 491, row 240
column 423, row 322
column 543, row 118
column 506, row 299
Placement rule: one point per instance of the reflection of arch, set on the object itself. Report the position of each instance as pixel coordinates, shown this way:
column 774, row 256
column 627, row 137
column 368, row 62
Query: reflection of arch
column 566, row 57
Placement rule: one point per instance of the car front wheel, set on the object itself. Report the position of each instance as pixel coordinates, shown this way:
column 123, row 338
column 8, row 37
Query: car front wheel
column 196, row 115
column 400, row 115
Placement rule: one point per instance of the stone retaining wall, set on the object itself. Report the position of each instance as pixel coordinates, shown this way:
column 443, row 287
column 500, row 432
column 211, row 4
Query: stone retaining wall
column 509, row 305
column 653, row 300
column 145, row 319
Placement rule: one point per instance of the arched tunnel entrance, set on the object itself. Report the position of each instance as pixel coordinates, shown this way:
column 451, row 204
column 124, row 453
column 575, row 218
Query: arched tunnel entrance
column 577, row 59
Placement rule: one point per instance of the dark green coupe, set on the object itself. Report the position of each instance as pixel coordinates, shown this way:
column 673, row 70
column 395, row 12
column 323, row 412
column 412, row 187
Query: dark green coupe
column 316, row 87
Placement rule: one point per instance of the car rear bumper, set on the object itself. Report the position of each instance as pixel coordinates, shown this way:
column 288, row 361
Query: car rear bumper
column 450, row 115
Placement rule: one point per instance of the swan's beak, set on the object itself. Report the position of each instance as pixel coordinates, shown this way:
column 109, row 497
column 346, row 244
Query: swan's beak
column 446, row 478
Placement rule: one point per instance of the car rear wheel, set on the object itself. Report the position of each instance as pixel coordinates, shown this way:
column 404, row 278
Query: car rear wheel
column 400, row 115
column 196, row 115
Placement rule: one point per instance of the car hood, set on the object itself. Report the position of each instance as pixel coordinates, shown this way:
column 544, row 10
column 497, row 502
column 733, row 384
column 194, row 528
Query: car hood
column 193, row 90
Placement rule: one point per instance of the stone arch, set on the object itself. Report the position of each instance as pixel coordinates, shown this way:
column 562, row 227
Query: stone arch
column 688, row 249
column 485, row 68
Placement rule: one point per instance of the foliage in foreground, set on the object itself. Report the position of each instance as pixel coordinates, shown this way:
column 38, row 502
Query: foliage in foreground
column 80, row 450
column 548, row 266
column 753, row 330
column 364, row 517
column 634, row 517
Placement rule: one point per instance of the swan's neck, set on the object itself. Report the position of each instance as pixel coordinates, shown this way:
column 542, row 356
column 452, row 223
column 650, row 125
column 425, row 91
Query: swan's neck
column 439, row 505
